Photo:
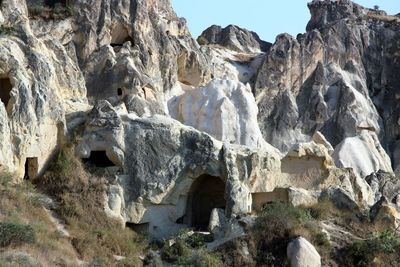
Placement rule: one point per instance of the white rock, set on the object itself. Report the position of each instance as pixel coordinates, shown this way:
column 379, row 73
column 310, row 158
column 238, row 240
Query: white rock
column 302, row 253
column 225, row 109
column 363, row 153
column 217, row 221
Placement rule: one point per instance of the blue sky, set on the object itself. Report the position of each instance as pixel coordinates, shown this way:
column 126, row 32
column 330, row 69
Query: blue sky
column 268, row 18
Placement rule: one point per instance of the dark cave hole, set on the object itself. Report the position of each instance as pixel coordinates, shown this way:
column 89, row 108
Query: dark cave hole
column 52, row 3
column 140, row 228
column 119, row 91
column 99, row 159
column 206, row 194
column 5, row 90
column 31, row 168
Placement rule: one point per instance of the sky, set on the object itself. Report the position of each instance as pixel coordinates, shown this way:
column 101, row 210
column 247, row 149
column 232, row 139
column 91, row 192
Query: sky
column 267, row 18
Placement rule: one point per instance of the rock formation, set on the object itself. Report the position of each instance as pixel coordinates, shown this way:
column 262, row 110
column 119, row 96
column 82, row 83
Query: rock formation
column 233, row 38
column 237, row 120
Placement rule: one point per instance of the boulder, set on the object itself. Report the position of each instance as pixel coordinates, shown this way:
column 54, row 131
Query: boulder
column 302, row 253
column 385, row 215
column 217, row 222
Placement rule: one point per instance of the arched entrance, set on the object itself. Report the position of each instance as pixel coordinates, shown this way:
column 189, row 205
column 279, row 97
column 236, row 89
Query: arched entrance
column 206, row 194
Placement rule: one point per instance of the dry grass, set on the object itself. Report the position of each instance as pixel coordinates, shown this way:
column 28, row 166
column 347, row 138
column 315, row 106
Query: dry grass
column 386, row 18
column 81, row 201
column 19, row 205
column 37, row 9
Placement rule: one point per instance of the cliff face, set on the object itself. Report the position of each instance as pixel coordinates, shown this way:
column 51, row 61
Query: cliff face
column 338, row 78
column 315, row 113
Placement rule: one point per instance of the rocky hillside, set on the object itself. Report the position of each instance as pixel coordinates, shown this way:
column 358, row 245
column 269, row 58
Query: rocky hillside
column 274, row 154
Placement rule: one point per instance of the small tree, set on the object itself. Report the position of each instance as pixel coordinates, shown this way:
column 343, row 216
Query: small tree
column 376, row 7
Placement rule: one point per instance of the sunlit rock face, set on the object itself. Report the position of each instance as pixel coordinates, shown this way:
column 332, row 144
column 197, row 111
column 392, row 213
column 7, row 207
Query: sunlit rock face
column 338, row 78
column 163, row 116
column 233, row 38
column 36, row 79
column 223, row 108
column 139, row 46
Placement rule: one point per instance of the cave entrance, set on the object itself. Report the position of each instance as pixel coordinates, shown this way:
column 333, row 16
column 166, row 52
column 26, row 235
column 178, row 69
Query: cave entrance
column 5, row 90
column 140, row 228
column 206, row 194
column 31, row 168
column 53, row 3
column 263, row 198
column 99, row 159
column 119, row 36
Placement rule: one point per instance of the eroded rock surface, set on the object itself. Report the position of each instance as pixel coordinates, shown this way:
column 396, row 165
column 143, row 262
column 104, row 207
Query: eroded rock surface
column 237, row 119
column 337, row 78
column 233, row 38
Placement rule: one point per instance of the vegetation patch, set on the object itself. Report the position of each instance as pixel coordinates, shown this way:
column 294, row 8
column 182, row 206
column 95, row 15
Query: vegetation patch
column 16, row 234
column 190, row 250
column 379, row 247
column 38, row 9
column 80, row 197
column 26, row 225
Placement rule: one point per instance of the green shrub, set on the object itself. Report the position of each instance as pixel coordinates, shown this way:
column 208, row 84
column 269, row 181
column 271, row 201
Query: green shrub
column 16, row 234
column 274, row 228
column 178, row 252
column 203, row 258
column 59, row 11
column 5, row 178
column 37, row 10
column 7, row 30
column 321, row 239
column 363, row 252
column 190, row 251
column 198, row 240
column 278, row 218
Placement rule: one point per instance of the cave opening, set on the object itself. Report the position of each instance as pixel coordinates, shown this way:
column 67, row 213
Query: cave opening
column 119, row 36
column 119, row 91
column 53, row 3
column 140, row 228
column 263, row 198
column 5, row 90
column 99, row 159
column 206, row 194
column 31, row 168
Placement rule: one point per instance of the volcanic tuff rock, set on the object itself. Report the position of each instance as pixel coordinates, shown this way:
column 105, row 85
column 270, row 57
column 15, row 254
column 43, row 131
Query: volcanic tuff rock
column 301, row 253
column 132, row 75
column 338, row 78
column 234, row 38
column 224, row 108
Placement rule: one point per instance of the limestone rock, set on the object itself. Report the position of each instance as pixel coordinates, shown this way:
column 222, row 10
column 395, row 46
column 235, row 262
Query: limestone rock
column 234, row 38
column 302, row 253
